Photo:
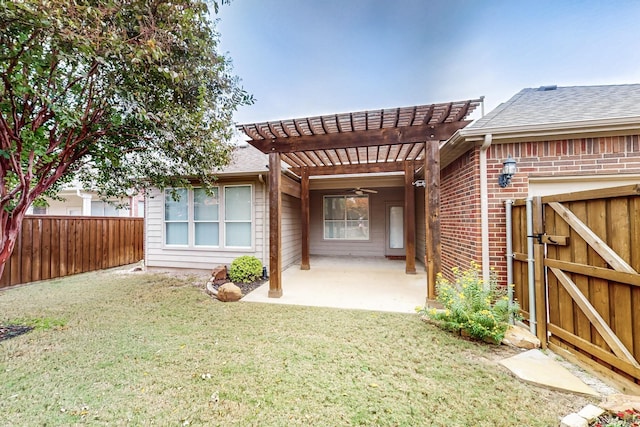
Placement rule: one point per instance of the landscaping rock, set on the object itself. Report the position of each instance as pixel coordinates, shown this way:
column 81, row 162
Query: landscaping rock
column 591, row 412
column 219, row 273
column 574, row 420
column 517, row 336
column 229, row 292
column 210, row 289
column 620, row 403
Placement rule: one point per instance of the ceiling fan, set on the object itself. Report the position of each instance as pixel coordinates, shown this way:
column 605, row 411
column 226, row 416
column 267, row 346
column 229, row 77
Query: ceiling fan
column 360, row 191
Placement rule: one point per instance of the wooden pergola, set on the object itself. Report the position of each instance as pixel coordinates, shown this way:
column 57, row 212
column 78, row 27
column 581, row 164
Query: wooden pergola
column 403, row 139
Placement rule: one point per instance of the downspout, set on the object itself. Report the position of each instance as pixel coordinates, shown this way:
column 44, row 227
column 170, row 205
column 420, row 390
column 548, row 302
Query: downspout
column 265, row 235
column 484, row 207
column 509, row 254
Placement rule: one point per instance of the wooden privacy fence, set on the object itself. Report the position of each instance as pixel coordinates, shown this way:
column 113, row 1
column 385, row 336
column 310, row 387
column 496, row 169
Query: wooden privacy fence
column 587, row 281
column 58, row 246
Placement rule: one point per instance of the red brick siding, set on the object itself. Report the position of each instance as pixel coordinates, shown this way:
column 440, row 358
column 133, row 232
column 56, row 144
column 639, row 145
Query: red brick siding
column 461, row 210
column 460, row 213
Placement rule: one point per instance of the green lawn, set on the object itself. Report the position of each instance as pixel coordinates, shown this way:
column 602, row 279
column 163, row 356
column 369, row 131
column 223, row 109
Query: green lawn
column 156, row 350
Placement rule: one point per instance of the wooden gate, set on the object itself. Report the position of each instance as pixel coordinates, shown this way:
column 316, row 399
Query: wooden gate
column 587, row 259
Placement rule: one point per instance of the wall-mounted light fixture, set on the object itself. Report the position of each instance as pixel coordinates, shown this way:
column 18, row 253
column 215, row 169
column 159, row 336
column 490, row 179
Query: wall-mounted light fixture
column 508, row 170
column 419, row 183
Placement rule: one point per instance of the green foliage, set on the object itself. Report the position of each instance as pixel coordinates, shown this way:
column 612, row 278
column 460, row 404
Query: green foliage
column 40, row 323
column 480, row 309
column 627, row 418
column 245, row 269
column 121, row 94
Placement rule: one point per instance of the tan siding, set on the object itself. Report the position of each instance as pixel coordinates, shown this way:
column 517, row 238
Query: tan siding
column 291, row 231
column 375, row 246
column 158, row 256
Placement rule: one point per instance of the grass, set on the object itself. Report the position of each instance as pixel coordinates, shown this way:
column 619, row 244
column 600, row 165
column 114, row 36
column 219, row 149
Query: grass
column 155, row 350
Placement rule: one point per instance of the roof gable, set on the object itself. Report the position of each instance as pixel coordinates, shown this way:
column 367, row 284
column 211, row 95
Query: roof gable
column 550, row 104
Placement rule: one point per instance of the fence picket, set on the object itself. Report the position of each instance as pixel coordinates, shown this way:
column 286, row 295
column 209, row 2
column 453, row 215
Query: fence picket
column 49, row 247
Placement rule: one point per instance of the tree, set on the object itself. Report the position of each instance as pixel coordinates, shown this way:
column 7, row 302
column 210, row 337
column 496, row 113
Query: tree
column 118, row 93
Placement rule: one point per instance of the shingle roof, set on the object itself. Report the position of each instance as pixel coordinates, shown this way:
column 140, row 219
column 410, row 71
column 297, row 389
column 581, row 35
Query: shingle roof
column 246, row 159
column 550, row 104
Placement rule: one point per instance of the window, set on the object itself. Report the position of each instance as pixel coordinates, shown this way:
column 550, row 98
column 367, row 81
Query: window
column 100, row 208
column 346, row 217
column 200, row 218
column 176, row 216
column 205, row 217
column 39, row 210
column 237, row 214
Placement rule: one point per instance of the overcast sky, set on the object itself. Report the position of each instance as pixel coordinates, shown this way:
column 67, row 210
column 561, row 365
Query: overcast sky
column 303, row 58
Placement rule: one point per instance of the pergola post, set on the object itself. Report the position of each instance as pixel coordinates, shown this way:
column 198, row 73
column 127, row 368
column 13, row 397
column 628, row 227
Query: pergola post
column 275, row 221
column 409, row 218
column 432, row 215
column 305, row 218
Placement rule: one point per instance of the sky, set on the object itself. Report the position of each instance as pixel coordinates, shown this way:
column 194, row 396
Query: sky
column 302, row 58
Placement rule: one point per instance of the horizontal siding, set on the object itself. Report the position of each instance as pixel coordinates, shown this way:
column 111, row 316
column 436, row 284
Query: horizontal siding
column 157, row 255
column 291, row 231
column 374, row 247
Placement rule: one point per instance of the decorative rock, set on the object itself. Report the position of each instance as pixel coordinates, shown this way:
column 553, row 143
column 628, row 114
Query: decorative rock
column 219, row 273
column 591, row 412
column 229, row 292
column 574, row 420
column 210, row 289
column 517, row 336
column 620, row 403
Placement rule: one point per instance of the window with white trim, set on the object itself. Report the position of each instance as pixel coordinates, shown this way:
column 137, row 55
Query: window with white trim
column 346, row 217
column 176, row 217
column 205, row 217
column 237, row 215
column 214, row 218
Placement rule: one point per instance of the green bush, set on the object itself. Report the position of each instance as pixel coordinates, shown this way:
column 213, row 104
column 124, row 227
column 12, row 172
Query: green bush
column 245, row 269
column 479, row 309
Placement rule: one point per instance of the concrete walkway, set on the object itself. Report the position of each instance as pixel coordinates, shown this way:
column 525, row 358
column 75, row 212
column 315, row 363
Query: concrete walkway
column 374, row 283
column 537, row 368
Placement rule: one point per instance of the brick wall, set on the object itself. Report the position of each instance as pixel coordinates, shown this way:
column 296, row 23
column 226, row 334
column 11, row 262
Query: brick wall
column 460, row 213
column 460, row 209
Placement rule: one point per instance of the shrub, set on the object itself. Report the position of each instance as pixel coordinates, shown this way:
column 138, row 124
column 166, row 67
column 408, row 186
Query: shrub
column 479, row 309
column 627, row 418
column 245, row 269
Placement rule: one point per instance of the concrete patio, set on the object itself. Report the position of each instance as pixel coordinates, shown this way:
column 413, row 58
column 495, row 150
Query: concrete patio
column 366, row 283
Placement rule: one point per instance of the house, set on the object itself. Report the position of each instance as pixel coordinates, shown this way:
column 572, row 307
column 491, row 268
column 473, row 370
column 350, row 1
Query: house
column 342, row 184
column 350, row 182
column 76, row 201
column 420, row 183
column 563, row 139
column 201, row 230
column 572, row 250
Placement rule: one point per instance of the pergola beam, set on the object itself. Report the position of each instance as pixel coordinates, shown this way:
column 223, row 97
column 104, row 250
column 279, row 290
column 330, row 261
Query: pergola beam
column 352, row 169
column 275, row 225
column 305, row 222
column 409, row 218
column 363, row 138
